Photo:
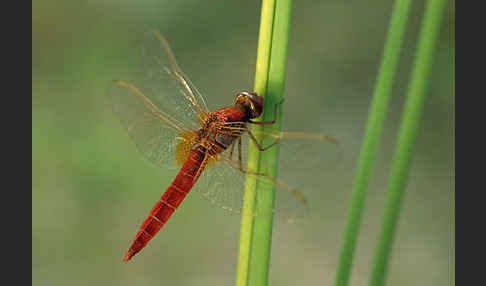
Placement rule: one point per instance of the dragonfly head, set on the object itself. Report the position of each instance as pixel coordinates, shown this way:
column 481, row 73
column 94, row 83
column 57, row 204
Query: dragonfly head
column 249, row 102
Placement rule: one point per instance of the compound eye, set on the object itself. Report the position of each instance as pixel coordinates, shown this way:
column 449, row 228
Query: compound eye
column 257, row 104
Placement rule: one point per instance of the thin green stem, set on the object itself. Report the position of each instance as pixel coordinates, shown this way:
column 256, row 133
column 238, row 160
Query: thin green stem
column 268, row 163
column 407, row 136
column 373, row 131
column 261, row 79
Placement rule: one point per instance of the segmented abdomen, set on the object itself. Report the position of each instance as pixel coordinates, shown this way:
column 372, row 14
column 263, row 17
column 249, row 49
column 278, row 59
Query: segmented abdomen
column 169, row 201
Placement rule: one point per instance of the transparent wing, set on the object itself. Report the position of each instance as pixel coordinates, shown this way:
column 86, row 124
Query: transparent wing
column 304, row 160
column 154, row 132
column 167, row 86
column 161, row 106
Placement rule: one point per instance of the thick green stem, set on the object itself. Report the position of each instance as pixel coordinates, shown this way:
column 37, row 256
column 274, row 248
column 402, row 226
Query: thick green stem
column 407, row 136
column 268, row 163
column 256, row 232
column 373, row 131
column 261, row 79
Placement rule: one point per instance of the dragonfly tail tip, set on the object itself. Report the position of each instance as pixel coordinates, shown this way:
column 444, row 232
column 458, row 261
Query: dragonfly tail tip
column 128, row 255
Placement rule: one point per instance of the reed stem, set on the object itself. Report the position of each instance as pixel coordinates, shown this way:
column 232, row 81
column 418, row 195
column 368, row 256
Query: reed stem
column 256, row 232
column 261, row 78
column 376, row 117
column 407, row 136
column 268, row 161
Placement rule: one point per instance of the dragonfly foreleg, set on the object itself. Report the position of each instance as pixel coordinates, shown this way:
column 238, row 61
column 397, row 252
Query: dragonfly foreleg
column 267, row 122
column 299, row 196
column 258, row 144
column 240, row 160
column 231, row 151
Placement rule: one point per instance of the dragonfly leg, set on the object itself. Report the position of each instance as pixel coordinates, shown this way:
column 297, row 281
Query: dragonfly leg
column 269, row 178
column 277, row 182
column 203, row 165
column 267, row 122
column 231, row 151
column 240, row 160
column 258, row 144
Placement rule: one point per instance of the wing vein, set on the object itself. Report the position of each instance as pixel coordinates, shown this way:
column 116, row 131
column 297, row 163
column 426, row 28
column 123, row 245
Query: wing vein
column 150, row 106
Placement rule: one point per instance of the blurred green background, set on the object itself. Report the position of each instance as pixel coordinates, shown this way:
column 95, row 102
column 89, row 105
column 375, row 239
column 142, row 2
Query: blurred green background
column 91, row 188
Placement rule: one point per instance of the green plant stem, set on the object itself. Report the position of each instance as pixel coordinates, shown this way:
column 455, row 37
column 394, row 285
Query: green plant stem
column 256, row 233
column 373, row 131
column 261, row 78
column 268, row 162
column 407, row 136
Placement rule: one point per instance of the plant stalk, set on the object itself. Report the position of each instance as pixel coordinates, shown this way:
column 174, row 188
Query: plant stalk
column 260, row 87
column 268, row 161
column 407, row 136
column 381, row 96
column 256, row 232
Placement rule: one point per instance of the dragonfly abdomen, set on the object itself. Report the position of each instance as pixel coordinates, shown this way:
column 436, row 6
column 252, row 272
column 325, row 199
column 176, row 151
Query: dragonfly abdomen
column 168, row 203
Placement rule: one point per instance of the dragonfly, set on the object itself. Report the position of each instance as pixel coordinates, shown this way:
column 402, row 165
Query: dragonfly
column 170, row 123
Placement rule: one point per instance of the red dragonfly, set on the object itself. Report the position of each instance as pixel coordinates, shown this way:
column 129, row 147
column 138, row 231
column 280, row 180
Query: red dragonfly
column 170, row 122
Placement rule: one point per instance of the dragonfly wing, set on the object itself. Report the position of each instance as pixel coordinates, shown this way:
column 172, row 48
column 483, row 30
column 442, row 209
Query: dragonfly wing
column 222, row 186
column 161, row 108
column 154, row 132
column 304, row 158
column 166, row 84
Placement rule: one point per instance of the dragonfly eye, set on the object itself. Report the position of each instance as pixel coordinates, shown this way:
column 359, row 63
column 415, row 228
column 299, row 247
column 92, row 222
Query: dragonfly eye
column 251, row 102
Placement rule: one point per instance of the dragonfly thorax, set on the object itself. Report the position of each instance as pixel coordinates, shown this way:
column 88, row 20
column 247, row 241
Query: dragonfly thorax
column 217, row 134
